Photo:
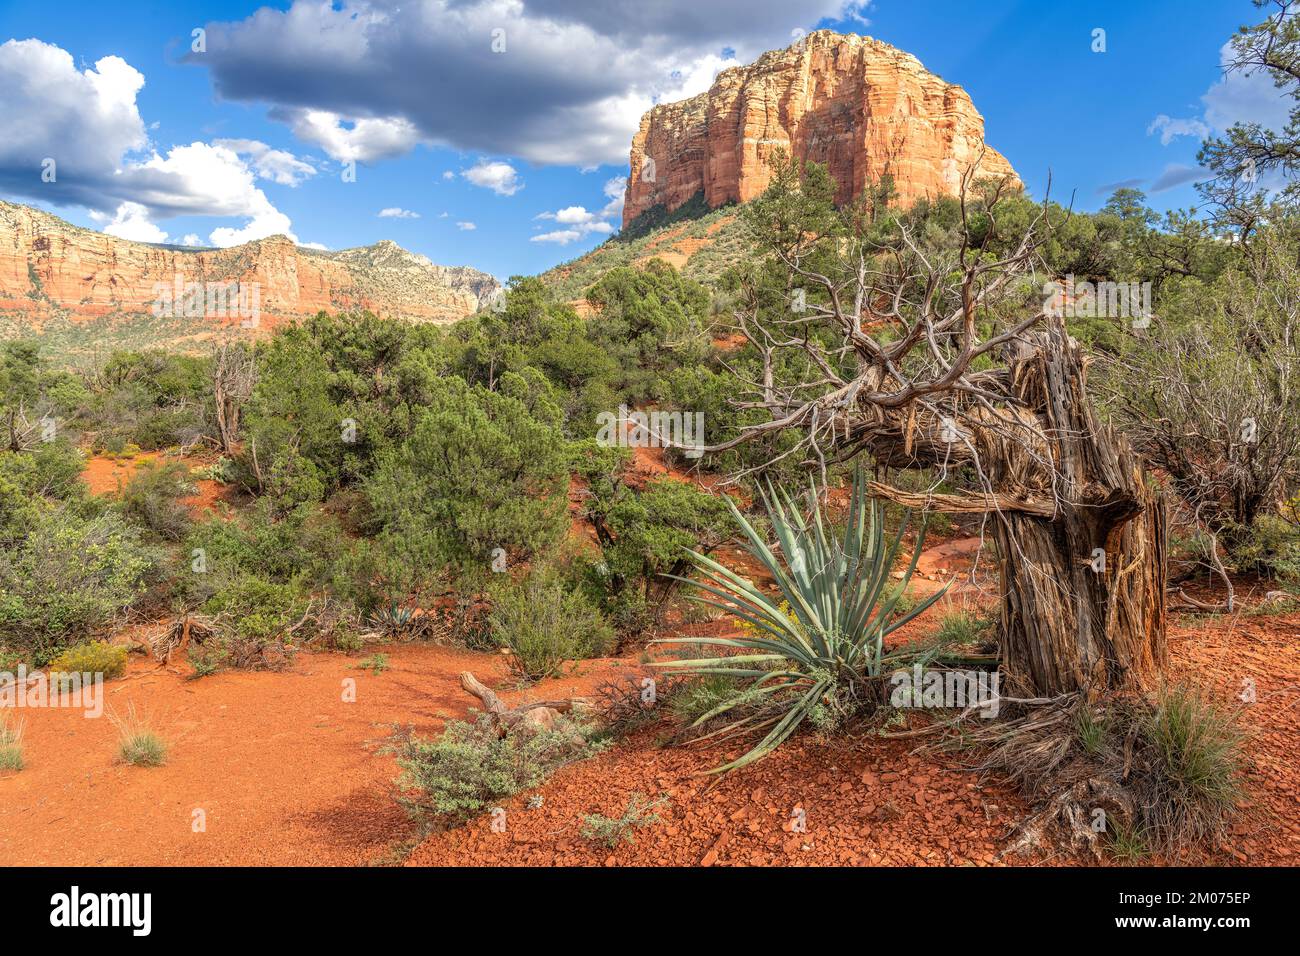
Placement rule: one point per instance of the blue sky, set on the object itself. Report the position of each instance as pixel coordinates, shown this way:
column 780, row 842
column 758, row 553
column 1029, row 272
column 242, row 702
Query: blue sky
column 529, row 141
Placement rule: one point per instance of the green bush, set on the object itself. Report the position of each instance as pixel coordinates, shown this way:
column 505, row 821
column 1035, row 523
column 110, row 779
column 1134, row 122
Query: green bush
column 469, row 767
column 9, row 660
column 1270, row 547
column 70, row 576
column 149, row 400
column 643, row 534
column 701, row 695
column 97, row 657
column 152, row 498
column 303, row 545
column 544, row 625
column 30, row 480
column 611, row 831
column 478, row 473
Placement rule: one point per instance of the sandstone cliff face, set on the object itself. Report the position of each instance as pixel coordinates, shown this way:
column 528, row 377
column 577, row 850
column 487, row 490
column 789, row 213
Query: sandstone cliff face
column 50, row 268
column 856, row 104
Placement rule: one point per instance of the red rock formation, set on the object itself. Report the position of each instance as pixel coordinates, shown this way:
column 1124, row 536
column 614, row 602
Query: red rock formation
column 862, row 107
column 52, row 269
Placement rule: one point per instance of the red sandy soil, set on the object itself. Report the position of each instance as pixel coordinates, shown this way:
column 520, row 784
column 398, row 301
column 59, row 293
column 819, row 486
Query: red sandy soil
column 108, row 476
column 289, row 774
column 870, row 800
column 864, row 802
column 285, row 770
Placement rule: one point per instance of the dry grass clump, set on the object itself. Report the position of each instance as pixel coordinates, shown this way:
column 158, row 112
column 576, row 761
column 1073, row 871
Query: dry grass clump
column 1132, row 775
column 11, row 743
column 138, row 744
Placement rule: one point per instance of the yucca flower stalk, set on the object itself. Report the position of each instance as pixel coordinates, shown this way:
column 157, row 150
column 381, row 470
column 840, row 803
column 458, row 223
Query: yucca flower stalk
column 825, row 632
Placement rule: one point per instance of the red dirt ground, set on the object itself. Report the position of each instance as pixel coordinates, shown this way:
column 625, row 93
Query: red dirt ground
column 288, row 773
column 285, row 771
column 108, row 476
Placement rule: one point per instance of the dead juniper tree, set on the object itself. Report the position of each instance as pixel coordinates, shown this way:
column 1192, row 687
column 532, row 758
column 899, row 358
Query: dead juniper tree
column 904, row 339
column 234, row 373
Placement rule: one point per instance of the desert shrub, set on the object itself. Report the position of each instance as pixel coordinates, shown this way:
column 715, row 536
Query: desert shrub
column 31, row 480
column 97, row 657
column 32, row 394
column 470, row 766
column 478, row 473
column 333, row 395
column 379, row 576
column 1209, row 395
column 375, row 663
column 1270, row 547
column 303, row 546
column 644, row 534
column 1166, row 770
column 544, row 625
column 152, row 498
column 70, row 576
column 253, row 623
column 9, row 660
column 622, row 705
column 646, row 317
column 137, row 743
column 696, row 697
column 611, row 831
column 222, row 470
column 714, row 391
column 148, row 400
column 50, row 469
column 465, row 617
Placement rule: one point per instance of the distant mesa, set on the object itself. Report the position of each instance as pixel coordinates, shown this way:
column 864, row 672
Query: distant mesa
column 856, row 104
column 51, row 269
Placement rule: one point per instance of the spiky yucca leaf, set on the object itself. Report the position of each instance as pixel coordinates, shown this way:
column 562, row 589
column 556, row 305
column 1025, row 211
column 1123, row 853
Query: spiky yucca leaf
column 825, row 632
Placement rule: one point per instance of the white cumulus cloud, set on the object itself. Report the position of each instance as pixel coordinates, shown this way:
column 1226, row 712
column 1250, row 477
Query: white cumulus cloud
column 88, row 122
column 1169, row 128
column 277, row 165
column 365, row 140
column 501, row 178
column 130, row 221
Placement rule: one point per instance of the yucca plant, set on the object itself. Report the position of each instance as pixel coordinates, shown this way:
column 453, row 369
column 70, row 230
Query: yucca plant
column 821, row 640
column 395, row 619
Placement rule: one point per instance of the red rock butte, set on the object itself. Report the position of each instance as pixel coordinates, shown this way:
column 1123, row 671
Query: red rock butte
column 860, row 106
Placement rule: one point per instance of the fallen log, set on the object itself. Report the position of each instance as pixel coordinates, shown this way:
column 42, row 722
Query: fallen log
column 537, row 715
